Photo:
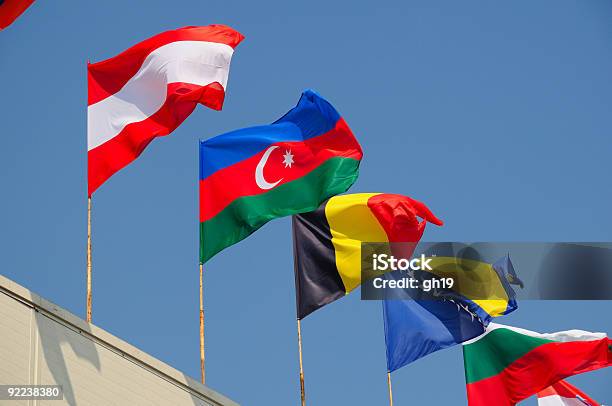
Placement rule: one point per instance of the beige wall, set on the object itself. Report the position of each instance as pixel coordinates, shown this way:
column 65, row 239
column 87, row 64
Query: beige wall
column 42, row 344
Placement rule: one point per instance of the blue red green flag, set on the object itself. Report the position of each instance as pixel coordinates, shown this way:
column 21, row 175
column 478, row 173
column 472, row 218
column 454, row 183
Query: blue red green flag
column 253, row 175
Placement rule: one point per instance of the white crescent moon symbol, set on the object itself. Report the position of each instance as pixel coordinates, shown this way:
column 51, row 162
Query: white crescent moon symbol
column 259, row 177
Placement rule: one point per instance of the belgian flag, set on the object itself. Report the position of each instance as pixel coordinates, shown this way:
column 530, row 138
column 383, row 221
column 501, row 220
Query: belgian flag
column 327, row 241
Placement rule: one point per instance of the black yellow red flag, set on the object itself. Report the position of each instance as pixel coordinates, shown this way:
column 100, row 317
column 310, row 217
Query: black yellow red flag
column 327, row 241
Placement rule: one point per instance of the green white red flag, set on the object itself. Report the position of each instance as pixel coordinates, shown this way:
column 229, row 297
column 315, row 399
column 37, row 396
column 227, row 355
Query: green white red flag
column 507, row 364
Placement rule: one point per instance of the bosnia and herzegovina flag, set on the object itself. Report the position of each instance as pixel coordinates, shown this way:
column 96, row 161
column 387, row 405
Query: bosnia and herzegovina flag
column 327, row 242
column 416, row 328
column 426, row 322
column 483, row 287
column 251, row 176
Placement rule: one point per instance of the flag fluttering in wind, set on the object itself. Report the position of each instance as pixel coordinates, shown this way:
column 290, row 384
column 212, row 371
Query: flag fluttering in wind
column 428, row 322
column 251, row 176
column 327, row 241
column 482, row 287
column 563, row 393
column 11, row 9
column 507, row 364
column 506, row 267
column 149, row 90
column 414, row 329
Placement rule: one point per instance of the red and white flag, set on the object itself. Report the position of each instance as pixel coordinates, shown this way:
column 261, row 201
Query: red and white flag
column 11, row 9
column 564, row 394
column 149, row 90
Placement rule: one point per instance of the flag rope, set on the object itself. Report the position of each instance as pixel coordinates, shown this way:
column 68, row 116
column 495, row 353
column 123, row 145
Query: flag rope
column 302, row 390
column 202, row 357
column 89, row 259
column 390, row 390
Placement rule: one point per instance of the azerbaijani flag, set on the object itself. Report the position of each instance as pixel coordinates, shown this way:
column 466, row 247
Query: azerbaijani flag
column 148, row 90
column 327, row 241
column 251, row 176
column 563, row 393
column 507, row 364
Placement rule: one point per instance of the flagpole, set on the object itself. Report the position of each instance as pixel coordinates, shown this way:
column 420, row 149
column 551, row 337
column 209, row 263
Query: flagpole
column 390, row 390
column 88, row 307
column 302, row 390
column 89, row 259
column 202, row 357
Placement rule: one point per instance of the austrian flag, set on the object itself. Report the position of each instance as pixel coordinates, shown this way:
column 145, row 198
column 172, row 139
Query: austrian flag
column 563, row 393
column 11, row 9
column 149, row 90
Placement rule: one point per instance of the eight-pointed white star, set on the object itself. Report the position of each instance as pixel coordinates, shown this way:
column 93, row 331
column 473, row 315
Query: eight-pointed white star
column 288, row 161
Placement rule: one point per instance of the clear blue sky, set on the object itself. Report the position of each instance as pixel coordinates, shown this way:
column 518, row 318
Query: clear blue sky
column 496, row 114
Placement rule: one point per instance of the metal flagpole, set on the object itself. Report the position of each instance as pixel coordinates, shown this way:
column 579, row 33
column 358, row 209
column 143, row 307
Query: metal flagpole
column 202, row 358
column 88, row 308
column 302, row 390
column 390, row 390
column 89, row 259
